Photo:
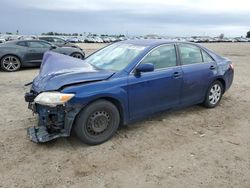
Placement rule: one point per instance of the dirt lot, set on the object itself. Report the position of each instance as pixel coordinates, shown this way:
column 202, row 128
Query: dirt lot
column 193, row 147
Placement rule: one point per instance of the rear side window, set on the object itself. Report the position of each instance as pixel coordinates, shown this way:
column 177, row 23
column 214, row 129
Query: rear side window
column 162, row 57
column 22, row 43
column 206, row 57
column 190, row 54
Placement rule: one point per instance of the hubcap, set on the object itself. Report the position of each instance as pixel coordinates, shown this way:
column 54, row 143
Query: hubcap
column 98, row 122
column 215, row 94
column 76, row 55
column 11, row 63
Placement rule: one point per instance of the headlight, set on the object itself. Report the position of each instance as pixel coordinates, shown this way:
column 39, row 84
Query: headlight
column 53, row 98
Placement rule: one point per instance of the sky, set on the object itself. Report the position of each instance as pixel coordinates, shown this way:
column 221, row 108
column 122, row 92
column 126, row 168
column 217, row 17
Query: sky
column 129, row 17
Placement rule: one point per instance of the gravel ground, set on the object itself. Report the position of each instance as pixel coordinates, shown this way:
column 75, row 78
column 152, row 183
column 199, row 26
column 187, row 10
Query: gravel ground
column 192, row 147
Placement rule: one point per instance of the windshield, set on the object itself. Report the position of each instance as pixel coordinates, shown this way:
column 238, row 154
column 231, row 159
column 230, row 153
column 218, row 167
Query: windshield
column 115, row 57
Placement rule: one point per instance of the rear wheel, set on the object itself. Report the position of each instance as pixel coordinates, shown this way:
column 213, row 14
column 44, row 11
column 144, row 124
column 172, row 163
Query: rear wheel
column 97, row 122
column 214, row 95
column 77, row 55
column 10, row 63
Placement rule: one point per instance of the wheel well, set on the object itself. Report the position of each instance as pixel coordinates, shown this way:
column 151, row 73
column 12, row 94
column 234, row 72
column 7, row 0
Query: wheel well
column 222, row 81
column 75, row 53
column 116, row 103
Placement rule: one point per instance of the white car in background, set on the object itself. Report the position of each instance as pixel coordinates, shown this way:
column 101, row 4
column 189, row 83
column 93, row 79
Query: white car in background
column 98, row 40
column 2, row 40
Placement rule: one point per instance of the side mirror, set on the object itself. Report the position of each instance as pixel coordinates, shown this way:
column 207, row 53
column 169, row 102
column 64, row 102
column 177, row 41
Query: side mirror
column 53, row 47
column 144, row 67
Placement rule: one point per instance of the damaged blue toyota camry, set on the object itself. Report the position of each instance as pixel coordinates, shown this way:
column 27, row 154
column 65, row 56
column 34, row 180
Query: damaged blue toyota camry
column 120, row 84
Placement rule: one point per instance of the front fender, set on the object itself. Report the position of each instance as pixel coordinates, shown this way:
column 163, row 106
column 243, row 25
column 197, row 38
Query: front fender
column 89, row 92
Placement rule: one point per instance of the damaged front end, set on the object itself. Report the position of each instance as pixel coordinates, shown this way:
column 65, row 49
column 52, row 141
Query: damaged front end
column 54, row 121
column 57, row 110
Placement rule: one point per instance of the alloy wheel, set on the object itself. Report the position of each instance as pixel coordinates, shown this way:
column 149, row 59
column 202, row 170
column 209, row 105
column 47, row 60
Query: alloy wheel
column 215, row 94
column 11, row 63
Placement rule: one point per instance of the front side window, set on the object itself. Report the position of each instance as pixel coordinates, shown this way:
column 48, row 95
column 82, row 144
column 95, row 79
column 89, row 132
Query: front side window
column 190, row 54
column 161, row 57
column 115, row 56
column 38, row 44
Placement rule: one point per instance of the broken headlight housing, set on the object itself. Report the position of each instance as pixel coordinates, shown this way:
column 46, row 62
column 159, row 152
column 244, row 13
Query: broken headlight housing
column 53, row 98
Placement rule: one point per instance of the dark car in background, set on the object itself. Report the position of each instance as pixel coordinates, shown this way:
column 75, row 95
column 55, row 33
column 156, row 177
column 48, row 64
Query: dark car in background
column 29, row 53
column 122, row 83
column 58, row 41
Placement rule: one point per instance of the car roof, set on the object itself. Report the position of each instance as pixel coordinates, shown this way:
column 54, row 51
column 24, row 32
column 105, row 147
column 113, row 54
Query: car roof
column 154, row 42
column 31, row 40
column 50, row 37
column 148, row 42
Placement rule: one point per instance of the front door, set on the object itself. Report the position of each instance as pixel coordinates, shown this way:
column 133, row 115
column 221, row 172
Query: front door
column 36, row 49
column 154, row 91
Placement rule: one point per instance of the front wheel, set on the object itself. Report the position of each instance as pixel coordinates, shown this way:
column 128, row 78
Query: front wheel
column 213, row 95
column 97, row 123
column 77, row 55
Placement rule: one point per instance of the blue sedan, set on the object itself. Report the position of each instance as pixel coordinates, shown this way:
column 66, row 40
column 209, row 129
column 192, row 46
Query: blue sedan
column 120, row 84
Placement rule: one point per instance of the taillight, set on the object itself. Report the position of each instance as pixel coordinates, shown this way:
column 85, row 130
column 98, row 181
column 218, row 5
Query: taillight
column 231, row 66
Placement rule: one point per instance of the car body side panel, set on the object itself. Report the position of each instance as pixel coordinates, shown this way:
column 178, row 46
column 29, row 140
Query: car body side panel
column 154, row 91
column 12, row 50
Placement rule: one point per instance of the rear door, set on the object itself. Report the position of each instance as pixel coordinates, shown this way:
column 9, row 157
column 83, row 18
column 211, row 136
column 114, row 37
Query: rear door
column 198, row 69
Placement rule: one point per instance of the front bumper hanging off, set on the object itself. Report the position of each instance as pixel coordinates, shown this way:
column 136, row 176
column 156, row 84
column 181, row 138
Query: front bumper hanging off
column 40, row 134
column 54, row 122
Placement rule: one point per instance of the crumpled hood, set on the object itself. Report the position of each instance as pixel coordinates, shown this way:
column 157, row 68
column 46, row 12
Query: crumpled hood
column 58, row 70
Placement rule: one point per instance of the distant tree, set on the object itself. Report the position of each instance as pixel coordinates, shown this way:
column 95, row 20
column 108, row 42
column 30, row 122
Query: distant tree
column 221, row 36
column 248, row 34
column 8, row 33
column 48, row 33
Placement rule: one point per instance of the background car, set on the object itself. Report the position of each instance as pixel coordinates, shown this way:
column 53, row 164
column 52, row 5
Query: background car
column 73, row 40
column 58, row 41
column 27, row 53
column 2, row 40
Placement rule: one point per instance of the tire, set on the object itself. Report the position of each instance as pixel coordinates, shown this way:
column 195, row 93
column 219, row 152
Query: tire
column 10, row 63
column 214, row 95
column 97, row 123
column 77, row 55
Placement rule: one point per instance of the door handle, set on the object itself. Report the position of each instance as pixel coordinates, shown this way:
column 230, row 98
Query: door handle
column 32, row 50
column 212, row 67
column 176, row 74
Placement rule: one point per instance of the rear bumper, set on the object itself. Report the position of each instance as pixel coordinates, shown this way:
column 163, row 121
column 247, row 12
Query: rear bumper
column 229, row 76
